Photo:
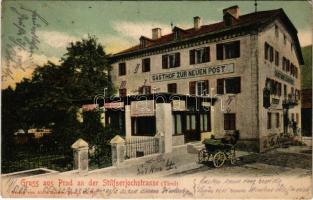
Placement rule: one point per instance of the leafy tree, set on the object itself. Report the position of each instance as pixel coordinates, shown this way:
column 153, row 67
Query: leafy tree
column 98, row 136
column 88, row 67
column 52, row 96
column 9, row 125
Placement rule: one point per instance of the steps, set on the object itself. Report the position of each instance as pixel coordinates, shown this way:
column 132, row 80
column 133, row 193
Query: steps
column 194, row 147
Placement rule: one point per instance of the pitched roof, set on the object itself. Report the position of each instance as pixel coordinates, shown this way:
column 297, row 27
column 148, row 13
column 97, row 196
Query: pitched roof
column 260, row 18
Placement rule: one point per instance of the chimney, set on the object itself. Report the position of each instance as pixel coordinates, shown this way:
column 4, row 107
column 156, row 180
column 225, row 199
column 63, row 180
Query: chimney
column 233, row 11
column 197, row 22
column 156, row 33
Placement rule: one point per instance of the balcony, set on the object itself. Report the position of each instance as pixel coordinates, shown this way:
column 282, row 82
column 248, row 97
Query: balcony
column 290, row 101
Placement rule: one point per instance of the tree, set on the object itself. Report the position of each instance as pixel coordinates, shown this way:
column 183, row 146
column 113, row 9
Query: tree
column 52, row 96
column 89, row 67
column 9, row 125
column 98, row 137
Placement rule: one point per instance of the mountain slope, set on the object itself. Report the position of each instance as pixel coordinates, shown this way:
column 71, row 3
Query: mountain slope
column 306, row 71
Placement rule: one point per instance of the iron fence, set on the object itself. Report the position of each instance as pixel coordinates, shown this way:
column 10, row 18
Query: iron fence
column 140, row 146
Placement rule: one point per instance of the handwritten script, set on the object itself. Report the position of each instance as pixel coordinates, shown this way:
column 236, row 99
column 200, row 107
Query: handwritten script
column 25, row 38
column 154, row 165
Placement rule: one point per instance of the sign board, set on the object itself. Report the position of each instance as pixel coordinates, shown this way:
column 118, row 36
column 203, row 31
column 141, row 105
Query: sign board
column 178, row 105
column 89, row 107
column 206, row 104
column 284, row 77
column 142, row 108
column 192, row 73
column 114, row 105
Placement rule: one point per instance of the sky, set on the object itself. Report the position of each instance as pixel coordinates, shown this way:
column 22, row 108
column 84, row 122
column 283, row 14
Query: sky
column 34, row 32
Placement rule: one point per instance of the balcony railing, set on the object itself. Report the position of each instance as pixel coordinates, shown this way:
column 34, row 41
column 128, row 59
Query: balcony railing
column 290, row 101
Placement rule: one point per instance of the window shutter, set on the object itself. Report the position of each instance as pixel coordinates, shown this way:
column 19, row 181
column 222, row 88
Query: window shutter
column 238, row 85
column 164, row 62
column 207, row 88
column 192, row 56
column 271, row 54
column 265, row 51
column 140, row 90
column 233, row 122
column 206, row 54
column 220, row 86
column 237, row 49
column 219, row 51
column 192, row 88
column 177, row 59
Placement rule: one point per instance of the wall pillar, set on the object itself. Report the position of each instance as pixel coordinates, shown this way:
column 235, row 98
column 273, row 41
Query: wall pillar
column 128, row 128
column 118, row 150
column 80, row 152
column 164, row 124
column 160, row 140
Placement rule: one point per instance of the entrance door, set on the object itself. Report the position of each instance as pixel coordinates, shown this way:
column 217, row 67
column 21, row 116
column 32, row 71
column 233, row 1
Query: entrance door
column 192, row 132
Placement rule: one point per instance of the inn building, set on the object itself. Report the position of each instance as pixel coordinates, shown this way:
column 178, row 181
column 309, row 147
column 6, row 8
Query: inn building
column 242, row 73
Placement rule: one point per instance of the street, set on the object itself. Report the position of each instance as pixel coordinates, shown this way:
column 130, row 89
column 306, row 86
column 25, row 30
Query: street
column 293, row 161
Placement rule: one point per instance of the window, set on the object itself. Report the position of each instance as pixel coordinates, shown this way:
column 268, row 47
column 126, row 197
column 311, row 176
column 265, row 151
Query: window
column 276, row 58
column 177, row 119
column 205, row 122
column 199, row 88
column 220, row 86
column 202, row 88
column 172, row 88
column 268, row 52
column 269, row 120
column 284, row 63
column 232, row 85
column 143, row 126
column 292, row 69
column 146, row 65
column 276, row 31
column 201, row 55
column 123, row 92
column 279, row 89
column 275, row 87
column 144, row 90
column 287, row 65
column 277, row 120
column 297, row 95
column 285, row 39
column 229, row 121
column 122, row 69
column 228, row 50
column 171, row 60
column 190, row 122
column 285, row 90
column 271, row 54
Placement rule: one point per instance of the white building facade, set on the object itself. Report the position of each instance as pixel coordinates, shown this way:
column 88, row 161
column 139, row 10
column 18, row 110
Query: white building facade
column 249, row 65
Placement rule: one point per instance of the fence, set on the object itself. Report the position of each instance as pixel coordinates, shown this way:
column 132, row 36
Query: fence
column 139, row 146
column 59, row 159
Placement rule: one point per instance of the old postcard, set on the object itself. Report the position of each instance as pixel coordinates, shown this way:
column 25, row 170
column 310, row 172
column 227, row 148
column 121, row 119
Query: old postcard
column 156, row 99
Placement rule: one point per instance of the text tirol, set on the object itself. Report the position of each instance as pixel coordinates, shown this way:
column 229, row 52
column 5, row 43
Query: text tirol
column 221, row 69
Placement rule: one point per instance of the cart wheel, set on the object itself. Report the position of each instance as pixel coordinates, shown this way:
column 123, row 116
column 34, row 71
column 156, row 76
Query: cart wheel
column 232, row 156
column 201, row 155
column 219, row 159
